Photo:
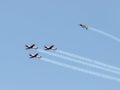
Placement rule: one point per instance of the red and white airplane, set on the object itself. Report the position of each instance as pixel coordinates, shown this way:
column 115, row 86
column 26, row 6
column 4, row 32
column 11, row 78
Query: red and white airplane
column 50, row 47
column 31, row 46
column 35, row 55
column 84, row 26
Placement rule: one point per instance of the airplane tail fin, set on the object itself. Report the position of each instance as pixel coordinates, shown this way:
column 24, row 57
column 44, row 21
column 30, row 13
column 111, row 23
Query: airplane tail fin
column 30, row 55
column 26, row 45
column 44, row 46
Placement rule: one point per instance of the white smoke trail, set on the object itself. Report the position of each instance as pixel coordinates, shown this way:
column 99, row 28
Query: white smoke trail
column 113, row 68
column 78, row 61
column 81, row 70
column 106, row 34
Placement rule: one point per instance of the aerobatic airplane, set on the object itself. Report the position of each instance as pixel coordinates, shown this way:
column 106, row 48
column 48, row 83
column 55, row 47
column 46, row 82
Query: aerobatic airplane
column 34, row 55
column 84, row 26
column 50, row 47
column 31, row 46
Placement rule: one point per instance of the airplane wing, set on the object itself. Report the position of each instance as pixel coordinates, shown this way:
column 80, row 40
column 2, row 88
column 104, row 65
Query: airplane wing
column 51, row 46
column 33, row 45
column 36, row 54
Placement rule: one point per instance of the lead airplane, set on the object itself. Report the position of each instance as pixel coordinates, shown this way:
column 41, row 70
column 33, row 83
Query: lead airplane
column 35, row 55
column 84, row 26
column 50, row 47
column 31, row 46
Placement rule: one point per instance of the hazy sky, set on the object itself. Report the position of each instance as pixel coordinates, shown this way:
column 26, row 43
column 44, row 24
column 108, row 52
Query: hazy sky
column 46, row 22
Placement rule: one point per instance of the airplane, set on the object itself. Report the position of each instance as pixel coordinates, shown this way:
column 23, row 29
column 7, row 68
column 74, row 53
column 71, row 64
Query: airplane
column 31, row 46
column 35, row 55
column 50, row 47
column 84, row 26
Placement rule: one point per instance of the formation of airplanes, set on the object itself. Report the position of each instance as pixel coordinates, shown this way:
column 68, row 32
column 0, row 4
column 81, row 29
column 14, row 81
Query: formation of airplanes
column 46, row 47
column 35, row 47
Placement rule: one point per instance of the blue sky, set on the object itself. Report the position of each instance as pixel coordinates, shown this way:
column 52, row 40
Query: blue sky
column 46, row 22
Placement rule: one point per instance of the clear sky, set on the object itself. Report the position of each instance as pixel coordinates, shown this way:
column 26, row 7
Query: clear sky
column 46, row 22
